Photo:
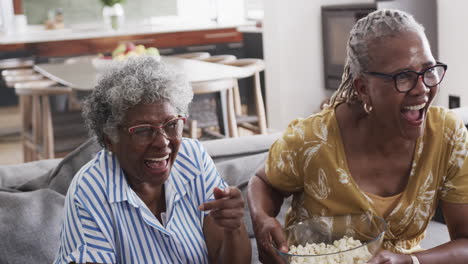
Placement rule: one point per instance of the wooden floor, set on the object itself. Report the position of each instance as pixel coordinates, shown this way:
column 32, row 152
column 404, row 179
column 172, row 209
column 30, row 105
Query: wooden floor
column 10, row 141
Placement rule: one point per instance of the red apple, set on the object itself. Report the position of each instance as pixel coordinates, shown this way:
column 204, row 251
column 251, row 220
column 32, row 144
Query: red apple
column 130, row 47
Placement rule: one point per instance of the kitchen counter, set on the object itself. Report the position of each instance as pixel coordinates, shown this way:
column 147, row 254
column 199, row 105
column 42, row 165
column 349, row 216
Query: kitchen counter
column 250, row 29
column 37, row 33
column 84, row 39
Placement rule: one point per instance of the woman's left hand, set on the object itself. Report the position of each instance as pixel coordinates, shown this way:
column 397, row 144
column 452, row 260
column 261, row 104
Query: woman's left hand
column 227, row 209
column 387, row 257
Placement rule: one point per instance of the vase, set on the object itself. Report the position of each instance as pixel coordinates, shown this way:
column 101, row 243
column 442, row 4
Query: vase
column 113, row 16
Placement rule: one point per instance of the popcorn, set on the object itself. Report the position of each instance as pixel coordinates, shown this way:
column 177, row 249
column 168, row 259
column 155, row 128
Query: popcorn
column 357, row 256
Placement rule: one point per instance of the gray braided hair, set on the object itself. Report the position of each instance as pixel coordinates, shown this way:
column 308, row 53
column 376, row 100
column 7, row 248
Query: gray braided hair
column 137, row 80
column 375, row 26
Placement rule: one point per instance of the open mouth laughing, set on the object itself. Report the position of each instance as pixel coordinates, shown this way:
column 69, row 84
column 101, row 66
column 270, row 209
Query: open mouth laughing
column 157, row 164
column 414, row 114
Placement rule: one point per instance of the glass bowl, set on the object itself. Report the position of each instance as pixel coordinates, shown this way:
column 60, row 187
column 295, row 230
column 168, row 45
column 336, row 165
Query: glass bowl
column 321, row 232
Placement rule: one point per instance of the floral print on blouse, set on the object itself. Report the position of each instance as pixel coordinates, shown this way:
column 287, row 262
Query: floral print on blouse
column 309, row 160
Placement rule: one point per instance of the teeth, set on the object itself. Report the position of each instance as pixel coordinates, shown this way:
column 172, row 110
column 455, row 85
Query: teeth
column 415, row 107
column 159, row 159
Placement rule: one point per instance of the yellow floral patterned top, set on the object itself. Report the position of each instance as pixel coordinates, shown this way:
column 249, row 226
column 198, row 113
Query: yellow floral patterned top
column 309, row 160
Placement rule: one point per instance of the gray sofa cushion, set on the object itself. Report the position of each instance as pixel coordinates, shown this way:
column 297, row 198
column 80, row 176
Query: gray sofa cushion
column 30, row 226
column 60, row 176
column 231, row 148
column 15, row 175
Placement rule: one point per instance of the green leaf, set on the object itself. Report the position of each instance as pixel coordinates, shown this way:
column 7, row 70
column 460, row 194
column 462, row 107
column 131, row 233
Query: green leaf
column 111, row 2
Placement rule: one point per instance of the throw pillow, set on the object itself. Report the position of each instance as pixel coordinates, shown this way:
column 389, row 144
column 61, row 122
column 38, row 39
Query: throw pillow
column 62, row 175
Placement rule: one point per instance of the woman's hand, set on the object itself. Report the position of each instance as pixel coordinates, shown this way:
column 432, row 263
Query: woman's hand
column 268, row 232
column 387, row 257
column 227, row 209
column 226, row 214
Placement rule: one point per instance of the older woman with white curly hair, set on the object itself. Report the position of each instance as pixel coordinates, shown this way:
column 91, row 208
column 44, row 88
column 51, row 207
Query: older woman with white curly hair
column 150, row 195
column 379, row 148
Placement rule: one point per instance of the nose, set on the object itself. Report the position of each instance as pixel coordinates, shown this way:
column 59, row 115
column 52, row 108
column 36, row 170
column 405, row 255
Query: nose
column 160, row 140
column 420, row 87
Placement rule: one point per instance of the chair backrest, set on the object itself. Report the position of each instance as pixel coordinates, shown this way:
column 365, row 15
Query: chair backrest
column 18, row 72
column 223, row 59
column 212, row 86
column 251, row 66
column 223, row 86
column 16, row 63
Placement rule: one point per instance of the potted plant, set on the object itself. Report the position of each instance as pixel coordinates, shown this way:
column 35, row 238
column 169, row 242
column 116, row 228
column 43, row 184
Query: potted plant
column 113, row 13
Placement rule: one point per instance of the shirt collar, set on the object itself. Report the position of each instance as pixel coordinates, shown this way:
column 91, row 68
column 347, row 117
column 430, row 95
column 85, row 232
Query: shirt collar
column 118, row 189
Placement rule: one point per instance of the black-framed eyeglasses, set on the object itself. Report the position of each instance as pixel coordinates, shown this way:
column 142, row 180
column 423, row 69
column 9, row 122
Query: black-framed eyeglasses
column 405, row 81
column 146, row 133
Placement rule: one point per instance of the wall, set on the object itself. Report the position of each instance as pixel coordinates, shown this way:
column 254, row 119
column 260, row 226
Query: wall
column 83, row 11
column 293, row 52
column 453, row 49
column 424, row 11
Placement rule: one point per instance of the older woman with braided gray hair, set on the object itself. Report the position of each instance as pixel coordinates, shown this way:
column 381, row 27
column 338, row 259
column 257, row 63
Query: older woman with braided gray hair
column 379, row 148
column 150, row 195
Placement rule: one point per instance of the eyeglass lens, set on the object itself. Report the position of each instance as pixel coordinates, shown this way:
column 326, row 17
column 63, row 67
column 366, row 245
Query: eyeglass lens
column 406, row 81
column 146, row 133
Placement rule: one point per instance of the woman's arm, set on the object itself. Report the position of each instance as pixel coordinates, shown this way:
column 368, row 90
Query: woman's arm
column 264, row 204
column 224, row 229
column 453, row 252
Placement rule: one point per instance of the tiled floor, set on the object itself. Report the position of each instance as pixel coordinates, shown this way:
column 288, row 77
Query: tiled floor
column 10, row 142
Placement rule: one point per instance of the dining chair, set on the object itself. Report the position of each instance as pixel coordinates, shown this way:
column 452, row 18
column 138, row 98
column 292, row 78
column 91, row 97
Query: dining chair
column 14, row 71
column 203, row 116
column 18, row 72
column 47, row 134
column 16, row 63
column 193, row 55
column 252, row 68
column 12, row 77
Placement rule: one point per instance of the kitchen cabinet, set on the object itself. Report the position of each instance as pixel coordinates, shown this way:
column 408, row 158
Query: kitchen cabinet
column 170, row 40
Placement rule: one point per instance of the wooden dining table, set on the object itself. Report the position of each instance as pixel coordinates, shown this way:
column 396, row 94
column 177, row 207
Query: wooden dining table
column 83, row 76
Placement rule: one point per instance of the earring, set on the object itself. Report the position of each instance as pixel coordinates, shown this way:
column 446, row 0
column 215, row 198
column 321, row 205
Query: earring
column 367, row 108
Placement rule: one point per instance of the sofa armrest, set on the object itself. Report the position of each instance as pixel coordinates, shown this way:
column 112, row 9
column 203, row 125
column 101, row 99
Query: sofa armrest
column 230, row 148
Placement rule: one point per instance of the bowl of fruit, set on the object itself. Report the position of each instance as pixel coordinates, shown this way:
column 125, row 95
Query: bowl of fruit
column 122, row 52
column 347, row 239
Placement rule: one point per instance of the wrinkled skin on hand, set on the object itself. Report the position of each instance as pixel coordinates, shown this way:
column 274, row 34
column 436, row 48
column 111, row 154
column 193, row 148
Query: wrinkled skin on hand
column 269, row 232
column 227, row 209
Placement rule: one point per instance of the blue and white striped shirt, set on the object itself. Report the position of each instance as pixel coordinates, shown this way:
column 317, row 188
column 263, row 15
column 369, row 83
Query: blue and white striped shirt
column 106, row 222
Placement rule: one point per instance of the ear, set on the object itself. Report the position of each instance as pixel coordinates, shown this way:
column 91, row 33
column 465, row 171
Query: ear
column 108, row 143
column 361, row 87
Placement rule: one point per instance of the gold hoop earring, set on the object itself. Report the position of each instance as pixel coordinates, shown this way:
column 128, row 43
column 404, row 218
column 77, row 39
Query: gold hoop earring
column 367, row 108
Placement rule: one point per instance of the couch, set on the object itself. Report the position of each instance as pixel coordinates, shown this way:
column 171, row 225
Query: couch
column 32, row 196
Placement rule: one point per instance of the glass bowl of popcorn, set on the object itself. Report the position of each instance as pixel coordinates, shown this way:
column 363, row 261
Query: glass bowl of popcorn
column 347, row 239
